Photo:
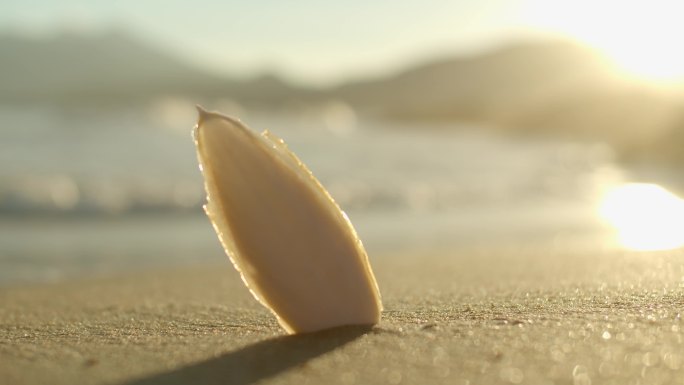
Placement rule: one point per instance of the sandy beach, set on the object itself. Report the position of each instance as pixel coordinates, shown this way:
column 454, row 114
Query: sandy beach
column 502, row 162
column 534, row 315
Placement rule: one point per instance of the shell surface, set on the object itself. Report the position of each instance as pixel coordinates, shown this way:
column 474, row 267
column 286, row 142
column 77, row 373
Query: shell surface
column 295, row 249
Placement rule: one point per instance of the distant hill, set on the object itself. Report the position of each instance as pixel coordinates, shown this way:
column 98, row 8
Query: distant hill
column 75, row 66
column 111, row 67
column 538, row 88
column 545, row 86
column 535, row 88
column 481, row 85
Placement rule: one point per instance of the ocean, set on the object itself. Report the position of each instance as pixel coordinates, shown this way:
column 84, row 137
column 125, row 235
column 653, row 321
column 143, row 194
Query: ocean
column 86, row 192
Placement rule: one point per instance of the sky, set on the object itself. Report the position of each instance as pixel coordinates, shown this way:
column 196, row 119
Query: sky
column 330, row 41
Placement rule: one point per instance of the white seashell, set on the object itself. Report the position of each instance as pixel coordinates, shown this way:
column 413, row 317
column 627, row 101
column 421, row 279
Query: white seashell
column 295, row 249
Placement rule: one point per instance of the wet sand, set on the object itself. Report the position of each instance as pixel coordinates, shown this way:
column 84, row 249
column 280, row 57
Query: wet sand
column 533, row 315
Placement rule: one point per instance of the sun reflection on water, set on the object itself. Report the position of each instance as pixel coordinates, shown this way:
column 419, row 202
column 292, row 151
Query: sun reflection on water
column 645, row 216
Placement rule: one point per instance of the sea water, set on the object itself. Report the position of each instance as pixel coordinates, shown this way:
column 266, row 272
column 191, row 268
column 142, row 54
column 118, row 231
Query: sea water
column 113, row 190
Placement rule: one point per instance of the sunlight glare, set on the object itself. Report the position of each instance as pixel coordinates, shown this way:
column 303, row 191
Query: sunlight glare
column 646, row 216
column 642, row 38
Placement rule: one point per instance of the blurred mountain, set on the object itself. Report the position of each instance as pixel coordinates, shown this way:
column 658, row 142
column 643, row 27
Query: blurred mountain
column 113, row 68
column 542, row 88
column 536, row 88
column 559, row 87
column 481, row 85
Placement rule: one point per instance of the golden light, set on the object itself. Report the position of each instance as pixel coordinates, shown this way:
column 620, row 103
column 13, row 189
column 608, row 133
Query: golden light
column 645, row 216
column 643, row 37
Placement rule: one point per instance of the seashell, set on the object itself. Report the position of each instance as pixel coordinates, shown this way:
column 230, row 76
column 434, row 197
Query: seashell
column 296, row 251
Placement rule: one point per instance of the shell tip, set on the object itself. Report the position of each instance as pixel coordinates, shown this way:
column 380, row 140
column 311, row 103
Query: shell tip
column 202, row 114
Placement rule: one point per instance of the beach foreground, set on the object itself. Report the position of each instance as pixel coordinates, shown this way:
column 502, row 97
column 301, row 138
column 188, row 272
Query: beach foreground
column 533, row 315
